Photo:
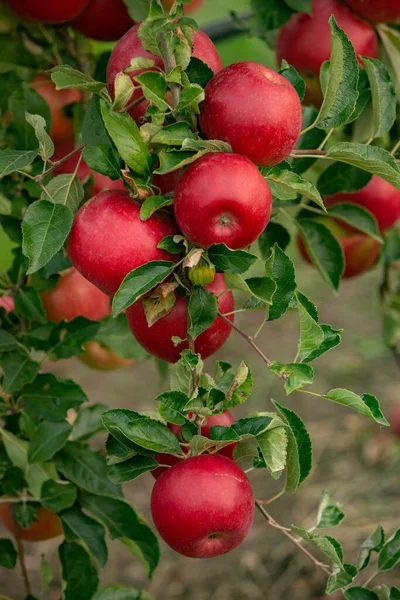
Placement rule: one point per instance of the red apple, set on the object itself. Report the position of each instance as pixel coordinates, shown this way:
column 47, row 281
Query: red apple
column 255, row 110
column 305, row 41
column 222, row 197
column 47, row 11
column 62, row 125
column 360, row 250
column 104, row 20
column 380, row 197
column 74, row 296
column 394, row 420
column 108, row 239
column 101, row 357
column 378, row 11
column 100, row 182
column 7, row 303
column 45, row 526
column 157, row 338
column 188, row 8
column 166, row 183
column 130, row 46
column 226, row 419
column 203, row 506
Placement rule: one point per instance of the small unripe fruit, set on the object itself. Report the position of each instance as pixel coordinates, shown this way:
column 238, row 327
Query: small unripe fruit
column 203, row 506
column 202, row 274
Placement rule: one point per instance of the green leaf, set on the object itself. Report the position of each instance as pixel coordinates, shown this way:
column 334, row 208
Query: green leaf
column 297, row 376
column 173, row 160
column 339, row 177
column 88, row 422
column 65, row 77
column 22, row 101
column 15, row 160
column 281, row 269
column 126, row 136
column 190, row 97
column 329, row 514
column 341, row 93
column 66, row 190
column 357, row 217
column 78, row 574
column 46, row 575
column 202, row 311
column 139, row 11
column 47, row 439
column 173, row 135
column 46, row 145
column 8, row 554
column 341, row 579
column 274, row 233
column 170, row 245
column 373, row 159
column 132, row 468
column 123, row 90
column 373, row 543
column 50, row 398
column 268, row 15
column 144, row 432
column 198, row 72
column 123, row 523
column 7, row 341
column 115, row 333
column 154, row 88
column 360, row 593
column 88, row 531
column 324, row 543
column 299, row 451
column 28, row 305
column 171, row 406
column 311, row 334
column 273, row 446
column 290, row 73
column 18, row 370
column 323, row 249
column 389, row 556
column 93, row 129
column 366, row 404
column 181, row 372
column 86, row 469
column 383, row 96
column 58, row 496
column 103, row 159
column 225, row 259
column 120, row 592
column 140, row 281
column 44, row 228
column 394, row 593
column 152, row 204
column 292, row 182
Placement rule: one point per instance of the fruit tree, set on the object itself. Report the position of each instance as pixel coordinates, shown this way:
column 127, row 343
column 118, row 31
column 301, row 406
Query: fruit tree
column 150, row 194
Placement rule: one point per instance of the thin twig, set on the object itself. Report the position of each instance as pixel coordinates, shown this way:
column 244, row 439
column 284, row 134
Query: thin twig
column 134, row 103
column 21, row 555
column 371, row 578
column 396, row 147
column 316, row 151
column 59, row 162
column 292, row 538
column 170, row 64
column 246, row 337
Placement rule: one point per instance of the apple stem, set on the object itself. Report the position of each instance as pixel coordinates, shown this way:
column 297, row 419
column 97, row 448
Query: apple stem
column 21, row 555
column 170, row 64
column 132, row 104
column 292, row 538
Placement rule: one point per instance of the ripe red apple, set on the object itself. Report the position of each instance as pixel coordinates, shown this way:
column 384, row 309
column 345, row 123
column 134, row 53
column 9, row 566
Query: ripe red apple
column 7, row 303
column 360, row 250
column 394, row 419
column 305, row 41
column 108, row 239
column 255, row 110
column 226, row 419
column 104, row 20
column 222, row 197
column 47, row 11
column 378, row 11
column 188, row 8
column 62, row 124
column 130, row 46
column 100, row 182
column 203, row 506
column 101, row 357
column 157, row 338
column 379, row 197
column 45, row 526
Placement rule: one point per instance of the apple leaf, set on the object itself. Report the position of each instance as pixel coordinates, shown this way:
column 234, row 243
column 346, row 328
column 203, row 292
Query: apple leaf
column 58, row 496
column 280, row 268
column 358, row 217
column 290, row 73
column 87, row 531
column 225, row 259
column 8, row 554
column 79, row 576
column 46, row 144
column 329, row 514
column 383, row 96
column 202, row 311
column 104, row 159
column 152, row 204
column 18, row 370
column 339, row 177
column 132, row 468
column 140, row 281
column 47, row 439
column 50, row 397
column 366, row 404
column 389, row 556
column 291, row 182
column 360, row 593
column 373, row 543
column 297, row 376
column 64, row 189
column 66, row 77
